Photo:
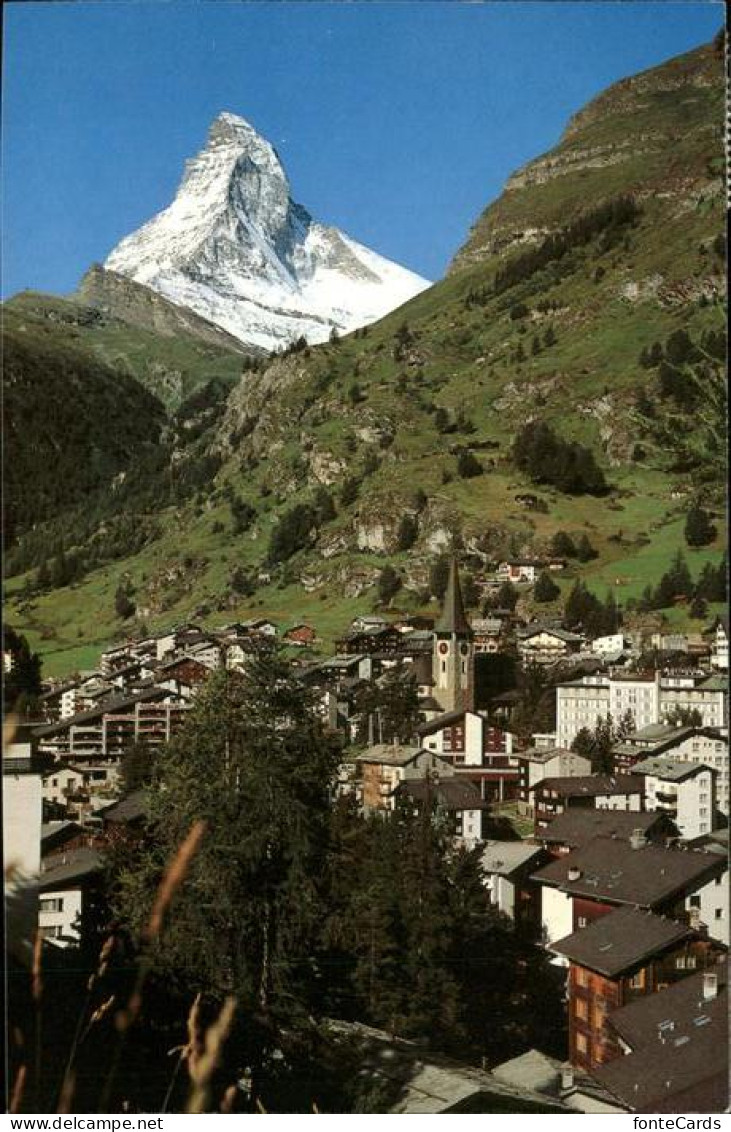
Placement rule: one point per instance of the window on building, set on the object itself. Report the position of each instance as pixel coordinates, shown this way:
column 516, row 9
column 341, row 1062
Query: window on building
column 52, row 931
column 581, row 922
column 718, row 914
column 637, row 982
column 718, row 880
column 581, row 977
column 581, row 1009
column 51, row 904
column 694, row 902
column 582, row 1043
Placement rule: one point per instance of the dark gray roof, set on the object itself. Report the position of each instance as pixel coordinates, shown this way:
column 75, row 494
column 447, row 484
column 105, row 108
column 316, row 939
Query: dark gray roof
column 545, row 754
column 453, row 618
column 592, row 784
column 679, row 1058
column 390, row 754
column 419, row 1081
column 128, row 809
column 610, row 869
column 621, row 941
column 671, row 770
column 575, row 826
column 441, row 721
column 69, row 868
column 449, row 793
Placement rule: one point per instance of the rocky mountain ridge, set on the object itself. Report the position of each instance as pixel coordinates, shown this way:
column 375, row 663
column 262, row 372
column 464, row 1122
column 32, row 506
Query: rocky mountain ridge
column 628, row 136
column 235, row 248
column 593, row 302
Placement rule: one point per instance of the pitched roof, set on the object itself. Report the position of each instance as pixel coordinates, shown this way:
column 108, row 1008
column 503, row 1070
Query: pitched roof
column 620, row 941
column 128, row 809
column 505, row 857
column 679, row 1058
column 441, row 721
column 418, row 1081
column 536, row 630
column 390, row 754
column 449, row 793
column 658, row 732
column 590, row 785
column 671, row 770
column 69, row 868
column 610, row 869
column 545, row 754
column 637, row 1023
column 576, row 826
column 453, row 618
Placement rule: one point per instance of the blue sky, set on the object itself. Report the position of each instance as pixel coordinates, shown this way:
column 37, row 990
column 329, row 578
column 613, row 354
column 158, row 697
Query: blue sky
column 398, row 122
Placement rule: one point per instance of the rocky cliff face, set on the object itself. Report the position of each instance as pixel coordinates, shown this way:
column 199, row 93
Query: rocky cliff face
column 133, row 303
column 235, row 248
column 620, row 141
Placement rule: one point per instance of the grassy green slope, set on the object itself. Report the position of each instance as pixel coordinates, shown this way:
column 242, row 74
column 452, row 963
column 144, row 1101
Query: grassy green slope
column 171, row 366
column 329, row 414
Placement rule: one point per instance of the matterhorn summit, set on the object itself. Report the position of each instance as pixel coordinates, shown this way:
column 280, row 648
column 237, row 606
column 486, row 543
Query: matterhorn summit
column 235, row 248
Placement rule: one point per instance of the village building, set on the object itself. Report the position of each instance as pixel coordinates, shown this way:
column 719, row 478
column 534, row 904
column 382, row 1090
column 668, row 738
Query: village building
column 478, row 750
column 623, row 956
column 518, row 570
column 300, row 635
column 68, row 885
column 22, row 809
column 646, row 699
column 609, row 645
column 547, row 762
column 381, row 769
column 384, row 640
column 453, row 651
column 63, row 835
column 368, row 622
column 456, row 797
column 184, row 676
column 718, row 634
column 489, row 634
column 124, row 820
column 607, row 872
column 552, row 796
column 577, row 826
column 695, row 692
column 152, row 716
column 684, row 791
column 546, row 645
column 420, row 1081
column 576, row 1090
column 675, row 1046
column 703, row 746
column 507, row 867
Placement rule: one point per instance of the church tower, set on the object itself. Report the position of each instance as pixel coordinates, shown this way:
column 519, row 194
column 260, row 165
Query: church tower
column 454, row 653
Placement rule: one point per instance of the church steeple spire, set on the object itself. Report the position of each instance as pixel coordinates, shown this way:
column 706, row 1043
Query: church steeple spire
column 453, row 618
column 453, row 656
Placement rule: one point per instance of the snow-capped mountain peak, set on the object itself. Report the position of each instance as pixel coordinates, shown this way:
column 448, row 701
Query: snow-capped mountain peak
column 235, row 248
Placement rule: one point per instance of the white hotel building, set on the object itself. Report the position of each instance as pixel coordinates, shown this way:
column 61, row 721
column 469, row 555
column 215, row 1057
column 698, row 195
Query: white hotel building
column 650, row 699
